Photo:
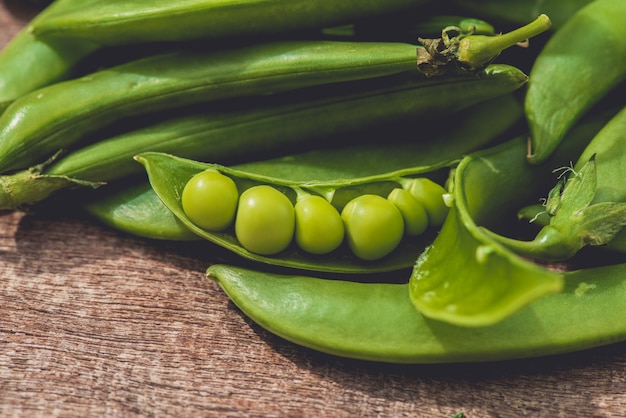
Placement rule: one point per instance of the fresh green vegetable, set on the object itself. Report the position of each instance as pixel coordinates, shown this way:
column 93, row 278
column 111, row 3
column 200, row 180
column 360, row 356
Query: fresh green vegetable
column 377, row 321
column 439, row 145
column 114, row 22
column 55, row 117
column 579, row 65
column 168, row 176
column 265, row 221
column 210, row 200
column 431, row 196
column 374, row 226
column 588, row 207
column 319, row 227
column 466, row 277
column 332, row 114
column 27, row 63
column 413, row 211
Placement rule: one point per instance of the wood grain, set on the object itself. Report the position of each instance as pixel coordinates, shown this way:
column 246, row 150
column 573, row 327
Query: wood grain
column 97, row 323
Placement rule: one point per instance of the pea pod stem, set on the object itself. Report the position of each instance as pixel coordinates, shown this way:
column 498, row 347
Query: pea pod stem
column 472, row 52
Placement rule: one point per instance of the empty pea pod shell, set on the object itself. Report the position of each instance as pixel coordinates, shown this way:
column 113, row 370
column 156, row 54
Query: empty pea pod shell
column 378, row 322
column 168, row 176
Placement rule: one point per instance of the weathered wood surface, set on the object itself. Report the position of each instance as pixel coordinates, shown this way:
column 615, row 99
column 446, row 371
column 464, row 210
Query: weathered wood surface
column 96, row 323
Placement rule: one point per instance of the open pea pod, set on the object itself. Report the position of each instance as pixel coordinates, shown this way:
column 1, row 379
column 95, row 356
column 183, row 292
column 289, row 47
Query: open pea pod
column 378, row 322
column 168, row 176
column 466, row 277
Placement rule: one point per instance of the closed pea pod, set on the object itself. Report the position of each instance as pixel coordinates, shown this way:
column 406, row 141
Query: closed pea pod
column 121, row 22
column 28, row 63
column 377, row 322
column 35, row 126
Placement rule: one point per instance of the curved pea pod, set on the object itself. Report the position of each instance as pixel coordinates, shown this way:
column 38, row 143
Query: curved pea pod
column 473, row 128
column 37, row 125
column 168, row 176
column 581, row 63
column 378, row 322
column 520, row 11
column 588, row 207
column 466, row 276
column 120, row 22
column 329, row 115
column 27, row 63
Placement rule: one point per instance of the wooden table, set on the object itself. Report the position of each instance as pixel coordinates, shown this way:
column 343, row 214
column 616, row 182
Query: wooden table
column 94, row 322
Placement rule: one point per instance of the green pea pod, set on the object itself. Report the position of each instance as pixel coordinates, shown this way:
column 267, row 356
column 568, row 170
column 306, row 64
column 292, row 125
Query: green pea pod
column 589, row 206
column 37, row 125
column 378, row 322
column 168, row 176
column 230, row 131
column 120, row 22
column 467, row 277
column 27, row 63
column 123, row 204
column 520, row 11
column 473, row 129
column 559, row 91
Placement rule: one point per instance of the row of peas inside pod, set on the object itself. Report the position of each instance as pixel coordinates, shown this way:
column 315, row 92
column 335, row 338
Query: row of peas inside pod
column 267, row 220
column 363, row 224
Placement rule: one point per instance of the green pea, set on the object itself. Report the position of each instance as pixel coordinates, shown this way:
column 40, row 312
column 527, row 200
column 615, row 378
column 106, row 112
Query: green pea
column 430, row 194
column 413, row 212
column 265, row 220
column 209, row 199
column 319, row 227
column 374, row 226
